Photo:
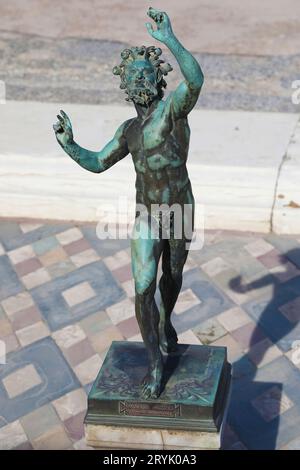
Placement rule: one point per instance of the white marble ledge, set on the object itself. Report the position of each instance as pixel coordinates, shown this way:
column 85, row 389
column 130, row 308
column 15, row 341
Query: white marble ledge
column 286, row 215
column 233, row 164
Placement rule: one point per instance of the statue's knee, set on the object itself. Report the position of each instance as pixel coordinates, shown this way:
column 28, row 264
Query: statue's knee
column 176, row 274
column 143, row 285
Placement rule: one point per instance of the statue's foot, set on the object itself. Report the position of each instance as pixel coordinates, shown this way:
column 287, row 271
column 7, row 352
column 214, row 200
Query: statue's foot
column 151, row 383
column 168, row 338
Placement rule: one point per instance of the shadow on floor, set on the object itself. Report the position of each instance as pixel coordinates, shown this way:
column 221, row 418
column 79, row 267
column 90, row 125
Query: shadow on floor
column 256, row 407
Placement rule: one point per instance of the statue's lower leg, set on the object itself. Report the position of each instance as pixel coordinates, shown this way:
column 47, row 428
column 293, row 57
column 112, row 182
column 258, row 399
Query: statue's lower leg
column 169, row 289
column 148, row 319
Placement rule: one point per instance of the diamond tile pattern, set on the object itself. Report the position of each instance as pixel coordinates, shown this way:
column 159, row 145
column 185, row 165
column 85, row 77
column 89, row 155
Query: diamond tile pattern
column 65, row 295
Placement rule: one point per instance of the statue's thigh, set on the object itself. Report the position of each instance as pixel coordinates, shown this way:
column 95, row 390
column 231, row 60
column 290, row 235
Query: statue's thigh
column 145, row 254
column 178, row 252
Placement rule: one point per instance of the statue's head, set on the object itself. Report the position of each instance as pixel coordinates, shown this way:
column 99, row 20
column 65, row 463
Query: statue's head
column 142, row 73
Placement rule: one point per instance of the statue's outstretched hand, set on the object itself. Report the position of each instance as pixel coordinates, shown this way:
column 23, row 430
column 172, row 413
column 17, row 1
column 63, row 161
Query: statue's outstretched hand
column 63, row 129
column 164, row 28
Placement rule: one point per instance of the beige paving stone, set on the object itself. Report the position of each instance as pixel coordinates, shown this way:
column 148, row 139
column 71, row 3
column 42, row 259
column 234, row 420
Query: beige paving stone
column 121, row 258
column 36, row 278
column 294, row 354
column 285, row 272
column 61, row 268
column 294, row 444
column 259, row 247
column 103, row 339
column 128, row 287
column 212, row 237
column 68, row 336
column 2, row 352
column 5, row 327
column 264, row 352
column 21, row 254
column 189, row 264
column 78, row 294
column 94, row 323
column 272, row 403
column 85, row 257
column 209, row 331
column 234, row 350
column 186, row 299
column 82, row 445
column 121, row 311
column 70, row 404
column 32, row 333
column 16, row 303
column 215, row 266
column 69, row 236
column 12, row 435
column 291, row 310
column 53, row 256
column 137, row 338
column 39, row 421
column 11, row 343
column 87, row 370
column 233, row 318
column 188, row 337
column 21, row 380
column 238, row 297
column 54, row 439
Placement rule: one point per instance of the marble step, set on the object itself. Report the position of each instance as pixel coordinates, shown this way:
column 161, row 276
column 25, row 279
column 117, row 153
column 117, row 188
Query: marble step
column 234, row 162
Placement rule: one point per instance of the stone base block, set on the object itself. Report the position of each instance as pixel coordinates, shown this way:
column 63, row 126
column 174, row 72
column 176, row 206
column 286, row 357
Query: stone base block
column 117, row 437
column 189, row 413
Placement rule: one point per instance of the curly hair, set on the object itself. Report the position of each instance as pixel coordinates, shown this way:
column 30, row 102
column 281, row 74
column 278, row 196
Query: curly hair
column 150, row 54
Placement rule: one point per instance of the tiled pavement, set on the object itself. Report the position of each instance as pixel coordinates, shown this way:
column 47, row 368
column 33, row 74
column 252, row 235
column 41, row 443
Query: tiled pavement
column 65, row 295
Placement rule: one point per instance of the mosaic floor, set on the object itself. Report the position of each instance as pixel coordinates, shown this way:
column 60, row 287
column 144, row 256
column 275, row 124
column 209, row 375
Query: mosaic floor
column 65, row 295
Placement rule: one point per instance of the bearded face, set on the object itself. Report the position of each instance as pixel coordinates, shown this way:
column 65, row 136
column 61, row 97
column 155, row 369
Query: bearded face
column 141, row 84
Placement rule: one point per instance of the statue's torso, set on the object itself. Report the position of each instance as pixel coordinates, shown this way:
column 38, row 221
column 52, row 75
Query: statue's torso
column 159, row 148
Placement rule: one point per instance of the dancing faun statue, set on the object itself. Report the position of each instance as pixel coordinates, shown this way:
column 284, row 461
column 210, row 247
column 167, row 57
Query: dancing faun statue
column 158, row 140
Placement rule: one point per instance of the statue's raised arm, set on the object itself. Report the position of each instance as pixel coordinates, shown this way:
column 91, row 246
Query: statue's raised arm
column 184, row 98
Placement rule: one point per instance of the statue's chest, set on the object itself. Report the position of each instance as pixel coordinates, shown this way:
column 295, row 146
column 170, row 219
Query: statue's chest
column 155, row 130
column 149, row 135
column 146, row 141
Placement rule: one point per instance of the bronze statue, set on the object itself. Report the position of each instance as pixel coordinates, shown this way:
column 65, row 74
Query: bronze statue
column 158, row 140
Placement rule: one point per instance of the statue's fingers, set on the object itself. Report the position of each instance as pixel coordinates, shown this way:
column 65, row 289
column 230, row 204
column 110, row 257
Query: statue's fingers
column 159, row 17
column 150, row 28
column 152, row 12
column 156, row 15
column 61, row 120
column 57, row 127
column 66, row 117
